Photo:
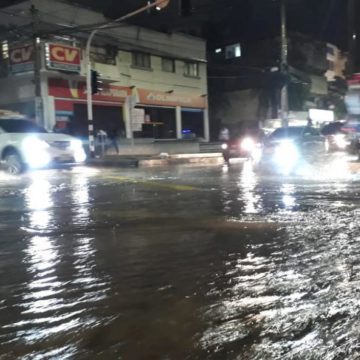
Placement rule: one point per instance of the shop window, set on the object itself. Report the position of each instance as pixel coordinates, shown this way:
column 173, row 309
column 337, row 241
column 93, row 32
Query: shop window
column 191, row 69
column 192, row 123
column 168, row 65
column 141, row 60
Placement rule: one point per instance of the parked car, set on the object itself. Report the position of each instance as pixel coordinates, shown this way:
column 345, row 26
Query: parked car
column 244, row 145
column 24, row 144
column 288, row 147
column 335, row 138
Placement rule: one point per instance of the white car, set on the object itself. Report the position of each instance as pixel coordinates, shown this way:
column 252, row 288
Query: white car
column 24, row 144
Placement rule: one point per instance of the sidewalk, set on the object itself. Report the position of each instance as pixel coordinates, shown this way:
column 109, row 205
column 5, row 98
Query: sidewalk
column 126, row 161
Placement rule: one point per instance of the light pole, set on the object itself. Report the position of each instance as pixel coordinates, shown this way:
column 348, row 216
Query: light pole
column 284, row 67
column 158, row 4
column 37, row 66
column 352, row 38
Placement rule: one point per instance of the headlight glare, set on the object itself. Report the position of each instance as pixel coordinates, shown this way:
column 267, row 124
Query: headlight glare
column 247, row 144
column 35, row 152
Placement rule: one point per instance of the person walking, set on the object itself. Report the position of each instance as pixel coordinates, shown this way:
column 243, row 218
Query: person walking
column 113, row 137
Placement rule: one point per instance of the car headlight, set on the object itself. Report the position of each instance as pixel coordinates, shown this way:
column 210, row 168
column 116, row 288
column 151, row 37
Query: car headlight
column 78, row 150
column 286, row 154
column 248, row 144
column 224, row 146
column 76, row 144
column 35, row 152
column 341, row 141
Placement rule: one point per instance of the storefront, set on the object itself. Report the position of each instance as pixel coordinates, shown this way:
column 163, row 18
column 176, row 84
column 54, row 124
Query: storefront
column 172, row 115
column 69, row 103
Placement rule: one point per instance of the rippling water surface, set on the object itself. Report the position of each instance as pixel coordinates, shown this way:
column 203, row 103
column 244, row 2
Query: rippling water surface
column 180, row 263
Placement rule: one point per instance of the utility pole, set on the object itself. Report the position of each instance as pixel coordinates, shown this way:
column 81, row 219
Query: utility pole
column 284, row 66
column 37, row 66
column 158, row 4
column 352, row 38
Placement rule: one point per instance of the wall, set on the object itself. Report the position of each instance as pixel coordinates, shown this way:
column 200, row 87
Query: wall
column 241, row 106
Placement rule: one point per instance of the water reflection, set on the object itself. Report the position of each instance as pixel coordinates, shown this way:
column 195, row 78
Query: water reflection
column 248, row 183
column 38, row 200
column 288, row 198
column 80, row 198
column 41, row 259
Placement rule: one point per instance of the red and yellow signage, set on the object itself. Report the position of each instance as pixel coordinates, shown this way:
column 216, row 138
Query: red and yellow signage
column 76, row 90
column 62, row 57
column 70, row 92
column 21, row 58
column 154, row 97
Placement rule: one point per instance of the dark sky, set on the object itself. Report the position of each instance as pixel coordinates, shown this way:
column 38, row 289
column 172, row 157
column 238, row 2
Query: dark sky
column 222, row 21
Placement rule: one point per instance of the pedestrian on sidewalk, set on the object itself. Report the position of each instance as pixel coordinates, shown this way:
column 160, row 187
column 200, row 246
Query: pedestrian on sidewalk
column 224, row 134
column 113, row 137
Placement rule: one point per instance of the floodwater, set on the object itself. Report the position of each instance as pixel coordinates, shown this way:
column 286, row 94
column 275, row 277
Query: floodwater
column 179, row 263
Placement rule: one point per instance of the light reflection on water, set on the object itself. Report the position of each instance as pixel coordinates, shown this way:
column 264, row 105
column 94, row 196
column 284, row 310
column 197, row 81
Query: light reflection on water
column 247, row 184
column 188, row 291
column 62, row 278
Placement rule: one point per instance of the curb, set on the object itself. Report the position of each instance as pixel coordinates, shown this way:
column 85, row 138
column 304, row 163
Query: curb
column 158, row 162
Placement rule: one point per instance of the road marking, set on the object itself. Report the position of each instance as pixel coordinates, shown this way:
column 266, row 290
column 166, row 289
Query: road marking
column 177, row 187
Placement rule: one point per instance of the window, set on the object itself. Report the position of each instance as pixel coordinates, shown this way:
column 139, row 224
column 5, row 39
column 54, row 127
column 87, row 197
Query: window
column 330, row 50
column 20, row 126
column 104, row 55
column 141, row 60
column 233, row 51
column 309, row 131
column 191, row 69
column 168, row 65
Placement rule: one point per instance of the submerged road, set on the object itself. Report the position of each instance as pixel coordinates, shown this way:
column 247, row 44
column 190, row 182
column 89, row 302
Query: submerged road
column 179, row 263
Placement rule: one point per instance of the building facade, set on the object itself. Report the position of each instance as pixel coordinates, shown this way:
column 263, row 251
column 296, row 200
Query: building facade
column 153, row 84
column 245, row 79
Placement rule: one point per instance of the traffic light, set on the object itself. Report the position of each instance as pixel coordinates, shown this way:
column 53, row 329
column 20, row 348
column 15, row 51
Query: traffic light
column 185, row 7
column 95, row 82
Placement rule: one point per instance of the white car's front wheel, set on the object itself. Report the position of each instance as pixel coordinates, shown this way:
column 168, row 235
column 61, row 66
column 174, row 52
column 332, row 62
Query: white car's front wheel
column 13, row 164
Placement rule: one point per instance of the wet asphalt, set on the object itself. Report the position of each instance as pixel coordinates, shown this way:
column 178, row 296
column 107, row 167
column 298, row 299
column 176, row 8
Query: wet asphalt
column 180, row 263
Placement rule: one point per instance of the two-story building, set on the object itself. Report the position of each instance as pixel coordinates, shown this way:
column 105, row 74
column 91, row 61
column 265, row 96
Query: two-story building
column 153, row 84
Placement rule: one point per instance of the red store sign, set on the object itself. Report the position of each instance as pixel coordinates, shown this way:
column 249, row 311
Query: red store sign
column 21, row 58
column 63, row 58
column 68, row 92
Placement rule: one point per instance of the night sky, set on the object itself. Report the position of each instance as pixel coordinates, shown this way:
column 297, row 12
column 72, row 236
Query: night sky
column 222, row 21
column 225, row 20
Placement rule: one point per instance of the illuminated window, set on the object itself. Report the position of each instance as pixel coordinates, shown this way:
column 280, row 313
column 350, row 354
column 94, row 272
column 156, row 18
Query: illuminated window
column 233, row 51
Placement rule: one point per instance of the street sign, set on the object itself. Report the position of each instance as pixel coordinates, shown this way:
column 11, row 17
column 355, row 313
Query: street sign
column 63, row 58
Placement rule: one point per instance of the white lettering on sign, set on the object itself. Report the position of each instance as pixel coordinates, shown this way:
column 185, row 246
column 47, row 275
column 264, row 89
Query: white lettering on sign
column 64, row 54
column 21, row 55
column 169, row 98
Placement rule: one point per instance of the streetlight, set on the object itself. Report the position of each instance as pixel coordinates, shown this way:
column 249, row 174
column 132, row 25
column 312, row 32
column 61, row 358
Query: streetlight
column 156, row 4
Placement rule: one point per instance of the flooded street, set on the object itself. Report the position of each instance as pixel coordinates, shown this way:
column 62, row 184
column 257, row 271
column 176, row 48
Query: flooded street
column 179, row 263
